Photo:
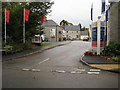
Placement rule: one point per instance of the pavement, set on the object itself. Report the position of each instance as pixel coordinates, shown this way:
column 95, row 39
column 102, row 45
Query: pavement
column 33, row 51
column 100, row 63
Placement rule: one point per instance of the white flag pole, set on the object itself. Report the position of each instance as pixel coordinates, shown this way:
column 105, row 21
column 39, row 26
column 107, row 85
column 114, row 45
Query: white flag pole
column 5, row 26
column 98, row 36
column 91, row 24
column 24, row 26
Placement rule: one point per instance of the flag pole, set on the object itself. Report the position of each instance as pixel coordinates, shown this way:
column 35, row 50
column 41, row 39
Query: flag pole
column 5, row 26
column 91, row 23
column 24, row 26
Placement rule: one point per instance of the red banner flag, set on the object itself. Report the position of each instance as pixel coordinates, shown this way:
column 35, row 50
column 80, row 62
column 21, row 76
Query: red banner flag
column 26, row 14
column 7, row 15
column 44, row 18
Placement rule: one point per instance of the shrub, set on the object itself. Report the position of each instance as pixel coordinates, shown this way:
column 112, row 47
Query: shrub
column 88, row 53
column 113, row 49
column 28, row 45
column 8, row 47
column 59, row 39
column 116, row 58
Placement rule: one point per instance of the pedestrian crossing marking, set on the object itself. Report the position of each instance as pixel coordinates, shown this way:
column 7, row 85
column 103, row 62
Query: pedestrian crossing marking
column 80, row 70
column 35, row 70
column 93, row 72
column 73, row 72
column 25, row 69
column 60, row 71
column 76, row 71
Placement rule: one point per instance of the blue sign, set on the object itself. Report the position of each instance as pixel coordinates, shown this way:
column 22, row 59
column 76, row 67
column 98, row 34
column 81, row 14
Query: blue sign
column 102, row 34
column 94, row 34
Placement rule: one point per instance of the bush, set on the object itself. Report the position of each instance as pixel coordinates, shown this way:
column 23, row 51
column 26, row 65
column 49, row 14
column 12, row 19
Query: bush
column 8, row 49
column 113, row 49
column 17, row 48
column 88, row 53
column 59, row 39
column 28, row 45
column 22, row 46
column 116, row 59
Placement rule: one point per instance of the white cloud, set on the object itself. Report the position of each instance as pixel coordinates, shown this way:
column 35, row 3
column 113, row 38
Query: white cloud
column 75, row 11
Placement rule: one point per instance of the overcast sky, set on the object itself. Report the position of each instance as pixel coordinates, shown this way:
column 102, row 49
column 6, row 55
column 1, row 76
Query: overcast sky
column 75, row 11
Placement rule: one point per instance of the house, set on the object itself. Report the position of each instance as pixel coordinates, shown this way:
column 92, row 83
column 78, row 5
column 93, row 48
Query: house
column 71, row 32
column 52, row 31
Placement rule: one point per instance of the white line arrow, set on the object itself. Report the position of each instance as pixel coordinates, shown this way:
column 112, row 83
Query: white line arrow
column 44, row 60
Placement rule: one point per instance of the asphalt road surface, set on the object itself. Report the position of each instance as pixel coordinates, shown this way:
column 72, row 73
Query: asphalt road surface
column 59, row 67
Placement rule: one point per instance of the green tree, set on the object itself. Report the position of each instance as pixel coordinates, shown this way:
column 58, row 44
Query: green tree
column 15, row 26
column 64, row 21
column 80, row 26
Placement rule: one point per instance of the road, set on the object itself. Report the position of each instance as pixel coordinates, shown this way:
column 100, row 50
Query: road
column 54, row 68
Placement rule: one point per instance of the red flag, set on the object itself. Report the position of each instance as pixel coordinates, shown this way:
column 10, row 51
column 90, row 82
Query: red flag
column 7, row 15
column 44, row 18
column 26, row 14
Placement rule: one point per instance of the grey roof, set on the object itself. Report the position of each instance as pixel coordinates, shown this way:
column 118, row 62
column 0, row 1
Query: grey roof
column 72, row 28
column 83, row 32
column 49, row 23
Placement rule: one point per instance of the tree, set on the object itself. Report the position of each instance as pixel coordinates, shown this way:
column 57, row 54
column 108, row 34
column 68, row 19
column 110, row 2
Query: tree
column 70, row 24
column 65, row 22
column 83, row 28
column 15, row 26
column 80, row 26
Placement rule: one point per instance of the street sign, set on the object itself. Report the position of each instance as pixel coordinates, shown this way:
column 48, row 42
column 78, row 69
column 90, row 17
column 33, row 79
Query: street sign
column 98, row 32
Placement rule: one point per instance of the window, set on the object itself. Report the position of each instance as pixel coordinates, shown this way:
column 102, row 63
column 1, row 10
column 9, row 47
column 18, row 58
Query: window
column 77, row 36
column 77, row 31
column 52, row 33
column 67, row 31
column 60, row 32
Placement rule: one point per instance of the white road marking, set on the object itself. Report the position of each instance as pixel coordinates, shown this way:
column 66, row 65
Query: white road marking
column 44, row 60
column 80, row 70
column 60, row 71
column 95, row 70
column 93, row 73
column 35, row 70
column 73, row 72
column 25, row 69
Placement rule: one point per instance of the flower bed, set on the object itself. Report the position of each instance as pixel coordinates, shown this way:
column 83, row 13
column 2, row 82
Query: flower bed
column 88, row 53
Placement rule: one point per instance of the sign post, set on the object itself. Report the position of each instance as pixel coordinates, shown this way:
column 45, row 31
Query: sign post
column 94, row 36
column 98, row 37
column 98, row 30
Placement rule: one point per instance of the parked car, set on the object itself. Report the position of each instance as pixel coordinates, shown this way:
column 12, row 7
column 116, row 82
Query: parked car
column 37, row 40
column 85, row 39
